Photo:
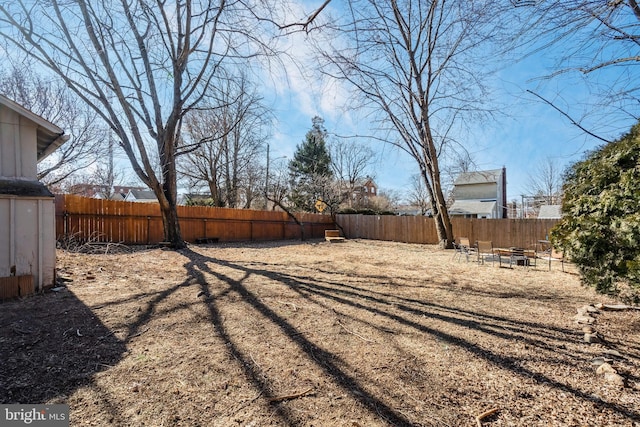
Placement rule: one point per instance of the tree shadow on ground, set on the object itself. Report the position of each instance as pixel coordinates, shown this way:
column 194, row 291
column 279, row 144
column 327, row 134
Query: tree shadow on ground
column 329, row 362
column 53, row 344
column 404, row 312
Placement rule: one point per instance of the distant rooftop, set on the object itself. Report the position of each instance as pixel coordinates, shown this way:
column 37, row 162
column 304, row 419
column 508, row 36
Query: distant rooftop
column 550, row 212
column 479, row 177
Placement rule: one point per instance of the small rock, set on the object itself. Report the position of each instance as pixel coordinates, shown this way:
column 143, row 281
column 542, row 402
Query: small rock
column 599, row 305
column 614, row 353
column 585, row 309
column 592, row 338
column 614, row 378
column 591, row 309
column 584, row 319
column 588, row 329
column 597, row 361
column 605, row 368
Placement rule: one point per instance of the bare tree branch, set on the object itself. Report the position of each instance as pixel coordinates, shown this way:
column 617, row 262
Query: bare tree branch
column 573, row 122
column 141, row 66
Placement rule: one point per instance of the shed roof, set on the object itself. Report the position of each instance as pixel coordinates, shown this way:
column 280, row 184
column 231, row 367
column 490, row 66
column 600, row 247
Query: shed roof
column 49, row 136
column 23, row 187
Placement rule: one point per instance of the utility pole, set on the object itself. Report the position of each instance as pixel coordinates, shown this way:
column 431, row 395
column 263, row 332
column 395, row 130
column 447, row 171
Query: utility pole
column 266, row 183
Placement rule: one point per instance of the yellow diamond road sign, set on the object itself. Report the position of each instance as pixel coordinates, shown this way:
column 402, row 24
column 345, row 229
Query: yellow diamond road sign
column 320, row 205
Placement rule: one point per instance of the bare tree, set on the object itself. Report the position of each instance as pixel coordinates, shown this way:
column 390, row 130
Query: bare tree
column 201, row 168
column 386, row 201
column 52, row 100
column 107, row 175
column 350, row 163
column 227, row 140
column 141, row 66
column 546, row 181
column 418, row 65
column 418, row 194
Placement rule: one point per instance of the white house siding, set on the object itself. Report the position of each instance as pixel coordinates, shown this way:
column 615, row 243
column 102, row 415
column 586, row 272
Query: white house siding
column 28, row 243
column 476, row 192
column 18, row 148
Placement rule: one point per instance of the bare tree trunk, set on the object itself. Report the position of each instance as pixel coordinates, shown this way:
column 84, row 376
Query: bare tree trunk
column 172, row 231
column 441, row 217
column 443, row 221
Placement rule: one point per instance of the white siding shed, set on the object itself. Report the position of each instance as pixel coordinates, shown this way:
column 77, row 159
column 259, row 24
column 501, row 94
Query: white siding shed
column 27, row 212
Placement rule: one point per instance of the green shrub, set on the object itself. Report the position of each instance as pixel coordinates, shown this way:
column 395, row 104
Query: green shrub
column 600, row 228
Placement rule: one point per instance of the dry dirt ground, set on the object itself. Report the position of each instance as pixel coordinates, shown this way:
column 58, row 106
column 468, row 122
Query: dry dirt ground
column 360, row 333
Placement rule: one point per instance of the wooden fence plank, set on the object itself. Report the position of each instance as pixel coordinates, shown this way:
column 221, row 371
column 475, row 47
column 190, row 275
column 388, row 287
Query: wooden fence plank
column 141, row 223
column 419, row 229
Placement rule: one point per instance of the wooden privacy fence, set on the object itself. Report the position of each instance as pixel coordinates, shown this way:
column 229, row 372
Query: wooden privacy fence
column 419, row 229
column 141, row 223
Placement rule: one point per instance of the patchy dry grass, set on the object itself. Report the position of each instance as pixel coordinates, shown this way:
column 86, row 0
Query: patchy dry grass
column 362, row 333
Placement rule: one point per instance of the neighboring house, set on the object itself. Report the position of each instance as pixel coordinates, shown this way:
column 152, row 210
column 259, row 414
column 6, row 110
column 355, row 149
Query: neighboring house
column 480, row 194
column 118, row 197
column 98, row 191
column 27, row 209
column 120, row 191
column 363, row 191
column 141, row 196
column 88, row 190
column 550, row 212
column 411, row 210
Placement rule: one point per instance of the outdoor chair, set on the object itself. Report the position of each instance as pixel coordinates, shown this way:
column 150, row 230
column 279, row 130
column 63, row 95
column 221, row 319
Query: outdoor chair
column 551, row 255
column 485, row 250
column 457, row 250
column 548, row 253
column 466, row 249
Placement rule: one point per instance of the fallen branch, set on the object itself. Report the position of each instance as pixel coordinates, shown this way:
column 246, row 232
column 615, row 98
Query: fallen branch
column 485, row 415
column 290, row 396
column 254, row 361
column 353, row 333
column 137, row 334
column 295, row 308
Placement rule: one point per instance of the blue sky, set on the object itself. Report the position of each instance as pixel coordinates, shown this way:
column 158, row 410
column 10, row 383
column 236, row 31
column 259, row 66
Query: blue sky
column 520, row 138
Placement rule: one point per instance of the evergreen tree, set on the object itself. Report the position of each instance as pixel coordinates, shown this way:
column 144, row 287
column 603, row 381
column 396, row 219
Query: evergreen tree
column 600, row 228
column 310, row 169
